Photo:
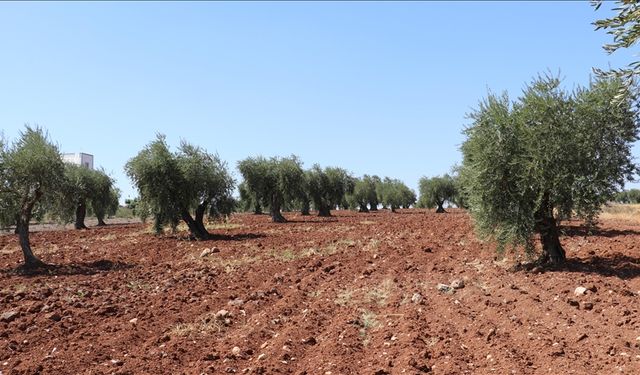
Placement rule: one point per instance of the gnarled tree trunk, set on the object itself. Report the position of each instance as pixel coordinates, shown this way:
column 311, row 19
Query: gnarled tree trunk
column 324, row 211
column 195, row 230
column 22, row 227
column 274, row 210
column 257, row 209
column 363, row 208
column 547, row 226
column 305, row 208
column 373, row 206
column 199, row 219
column 81, row 213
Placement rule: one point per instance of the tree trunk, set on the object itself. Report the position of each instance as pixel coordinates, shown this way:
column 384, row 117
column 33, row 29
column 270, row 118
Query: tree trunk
column 22, row 227
column 324, row 211
column 363, row 208
column 199, row 219
column 373, row 206
column 549, row 236
column 305, row 208
column 257, row 209
column 274, row 210
column 101, row 222
column 393, row 209
column 81, row 213
column 550, row 240
column 440, row 209
column 196, row 231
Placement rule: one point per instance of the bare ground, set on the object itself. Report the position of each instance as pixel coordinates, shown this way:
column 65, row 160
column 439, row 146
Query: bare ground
column 353, row 294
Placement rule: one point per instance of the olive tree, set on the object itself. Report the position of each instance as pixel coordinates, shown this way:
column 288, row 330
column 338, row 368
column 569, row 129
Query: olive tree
column 273, row 181
column 105, row 199
column 364, row 192
column 32, row 177
column 437, row 190
column 546, row 155
column 394, row 194
column 87, row 188
column 328, row 187
column 173, row 186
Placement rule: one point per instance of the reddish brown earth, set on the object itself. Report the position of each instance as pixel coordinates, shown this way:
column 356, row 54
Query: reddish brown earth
column 354, row 294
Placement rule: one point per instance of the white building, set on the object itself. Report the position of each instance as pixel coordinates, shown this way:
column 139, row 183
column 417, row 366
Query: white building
column 79, row 158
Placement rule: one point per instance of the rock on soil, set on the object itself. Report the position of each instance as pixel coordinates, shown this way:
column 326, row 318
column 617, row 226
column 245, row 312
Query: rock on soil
column 207, row 252
column 9, row 316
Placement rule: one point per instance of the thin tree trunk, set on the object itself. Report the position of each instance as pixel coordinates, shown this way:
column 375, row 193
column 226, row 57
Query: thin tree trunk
column 257, row 209
column 101, row 222
column 81, row 213
column 22, row 227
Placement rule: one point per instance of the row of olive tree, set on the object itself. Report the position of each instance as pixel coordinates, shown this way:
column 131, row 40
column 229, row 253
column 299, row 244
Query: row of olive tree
column 628, row 196
column 34, row 182
column 279, row 183
column 185, row 185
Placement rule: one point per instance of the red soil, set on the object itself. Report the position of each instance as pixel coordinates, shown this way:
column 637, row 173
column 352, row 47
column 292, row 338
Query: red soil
column 353, row 294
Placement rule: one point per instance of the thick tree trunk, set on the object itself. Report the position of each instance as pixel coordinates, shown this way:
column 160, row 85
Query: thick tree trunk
column 257, row 209
column 393, row 209
column 305, row 208
column 101, row 222
column 373, row 206
column 195, row 230
column 549, row 235
column 274, row 210
column 199, row 219
column 363, row 208
column 440, row 209
column 81, row 213
column 324, row 211
column 550, row 240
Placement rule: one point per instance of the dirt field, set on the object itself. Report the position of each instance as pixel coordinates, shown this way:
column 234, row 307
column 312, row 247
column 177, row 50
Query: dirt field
column 353, row 294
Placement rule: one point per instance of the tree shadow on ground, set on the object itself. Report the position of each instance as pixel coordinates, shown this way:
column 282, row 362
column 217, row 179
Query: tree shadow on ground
column 83, row 268
column 582, row 231
column 235, row 237
column 621, row 266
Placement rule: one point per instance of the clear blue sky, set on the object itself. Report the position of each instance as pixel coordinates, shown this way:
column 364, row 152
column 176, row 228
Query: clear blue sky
column 374, row 87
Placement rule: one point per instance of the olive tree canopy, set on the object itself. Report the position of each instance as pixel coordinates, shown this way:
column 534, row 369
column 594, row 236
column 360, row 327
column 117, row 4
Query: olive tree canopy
column 548, row 154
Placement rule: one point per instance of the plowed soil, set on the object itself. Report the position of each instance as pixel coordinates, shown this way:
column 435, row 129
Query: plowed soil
column 352, row 294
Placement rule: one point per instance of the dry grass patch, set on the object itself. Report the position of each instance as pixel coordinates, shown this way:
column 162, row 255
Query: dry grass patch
column 10, row 249
column 625, row 212
column 205, row 325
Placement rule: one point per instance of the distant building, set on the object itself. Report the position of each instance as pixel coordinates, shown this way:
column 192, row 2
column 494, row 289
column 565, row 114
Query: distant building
column 79, row 158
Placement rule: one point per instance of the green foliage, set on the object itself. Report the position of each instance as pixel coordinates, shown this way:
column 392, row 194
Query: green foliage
column 173, row 186
column 628, row 196
column 437, row 190
column 32, row 176
column 364, row 192
column 625, row 29
column 328, row 187
column 544, row 156
column 394, row 194
column 271, row 182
